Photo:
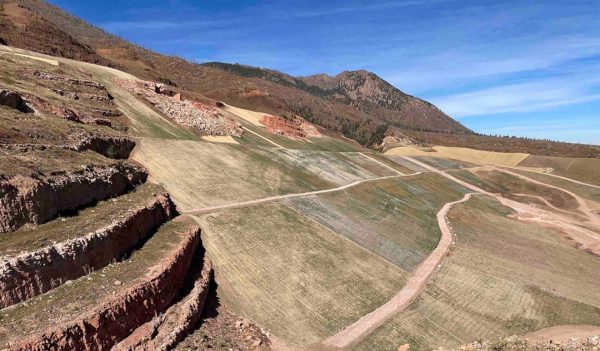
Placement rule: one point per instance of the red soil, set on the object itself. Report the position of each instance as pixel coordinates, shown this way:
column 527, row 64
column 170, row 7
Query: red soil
column 297, row 128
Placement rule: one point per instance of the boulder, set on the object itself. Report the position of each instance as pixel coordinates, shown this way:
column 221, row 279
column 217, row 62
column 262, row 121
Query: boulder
column 14, row 100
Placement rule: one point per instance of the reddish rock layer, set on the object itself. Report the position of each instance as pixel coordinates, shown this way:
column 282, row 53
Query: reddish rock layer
column 115, row 319
column 165, row 331
column 28, row 200
column 293, row 129
column 33, row 273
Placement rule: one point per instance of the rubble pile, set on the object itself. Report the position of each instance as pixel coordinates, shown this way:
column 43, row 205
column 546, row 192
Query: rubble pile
column 187, row 113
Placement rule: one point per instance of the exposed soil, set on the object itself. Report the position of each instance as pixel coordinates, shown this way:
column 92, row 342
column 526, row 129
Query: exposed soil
column 98, row 318
column 223, row 330
column 295, row 128
column 31, row 273
column 30, row 200
column 413, row 287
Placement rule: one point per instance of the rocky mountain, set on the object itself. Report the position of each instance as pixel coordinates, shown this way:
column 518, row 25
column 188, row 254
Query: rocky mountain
column 358, row 104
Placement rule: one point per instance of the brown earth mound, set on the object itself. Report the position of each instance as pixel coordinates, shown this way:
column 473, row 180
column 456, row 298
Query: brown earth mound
column 296, row 128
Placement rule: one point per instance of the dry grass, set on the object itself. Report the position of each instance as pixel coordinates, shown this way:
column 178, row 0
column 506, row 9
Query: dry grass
column 582, row 169
column 463, row 154
column 503, row 277
column 369, row 215
column 202, row 174
column 507, row 185
column 290, row 274
column 590, row 194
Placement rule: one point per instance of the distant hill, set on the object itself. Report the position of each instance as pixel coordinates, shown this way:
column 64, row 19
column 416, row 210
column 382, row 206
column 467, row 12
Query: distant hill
column 358, row 104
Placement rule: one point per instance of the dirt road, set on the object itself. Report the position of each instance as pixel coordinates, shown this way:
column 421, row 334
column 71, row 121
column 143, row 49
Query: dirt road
column 414, row 286
column 562, row 333
column 287, row 196
column 417, row 282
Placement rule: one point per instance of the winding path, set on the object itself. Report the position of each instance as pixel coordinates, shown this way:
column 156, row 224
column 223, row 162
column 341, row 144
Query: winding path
column 287, row 196
column 414, row 286
column 418, row 280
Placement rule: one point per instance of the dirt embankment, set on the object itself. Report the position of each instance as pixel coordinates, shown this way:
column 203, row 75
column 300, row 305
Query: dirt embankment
column 30, row 274
column 29, row 200
column 114, row 319
column 165, row 331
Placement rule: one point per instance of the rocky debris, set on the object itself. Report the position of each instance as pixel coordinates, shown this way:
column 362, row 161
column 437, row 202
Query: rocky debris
column 223, row 330
column 33, row 273
column 14, row 100
column 186, row 113
column 162, row 89
column 76, row 95
column 42, row 105
column 515, row 343
column 71, row 81
column 390, row 141
column 30, row 200
column 165, row 331
column 296, row 128
column 114, row 319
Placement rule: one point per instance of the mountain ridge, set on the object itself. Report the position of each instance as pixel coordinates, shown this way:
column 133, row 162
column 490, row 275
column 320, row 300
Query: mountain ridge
column 359, row 105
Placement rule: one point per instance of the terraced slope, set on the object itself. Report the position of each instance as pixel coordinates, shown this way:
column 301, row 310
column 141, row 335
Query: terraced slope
column 503, row 277
column 463, row 154
column 35, row 260
column 115, row 299
column 340, row 254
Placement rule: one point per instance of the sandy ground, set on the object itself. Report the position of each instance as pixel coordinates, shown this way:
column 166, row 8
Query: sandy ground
column 262, row 137
column 250, row 116
column 464, row 154
column 414, row 286
column 563, row 333
column 227, row 139
column 381, row 163
column 49, row 61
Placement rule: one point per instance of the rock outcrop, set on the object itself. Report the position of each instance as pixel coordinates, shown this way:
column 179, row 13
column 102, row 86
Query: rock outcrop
column 29, row 200
column 32, row 273
column 165, row 331
column 14, row 100
column 114, row 319
column 111, row 147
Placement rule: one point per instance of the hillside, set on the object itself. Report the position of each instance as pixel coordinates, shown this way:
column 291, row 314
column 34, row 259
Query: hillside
column 358, row 104
column 221, row 231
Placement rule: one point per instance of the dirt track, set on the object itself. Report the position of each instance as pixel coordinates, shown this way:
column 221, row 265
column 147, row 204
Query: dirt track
column 563, row 333
column 416, row 283
column 287, row 196
column 414, row 286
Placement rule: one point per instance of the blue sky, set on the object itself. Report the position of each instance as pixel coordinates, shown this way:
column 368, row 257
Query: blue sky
column 522, row 67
